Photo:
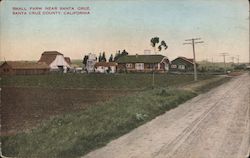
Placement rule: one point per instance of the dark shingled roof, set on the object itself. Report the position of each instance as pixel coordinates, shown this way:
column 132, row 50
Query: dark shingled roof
column 140, row 59
column 191, row 61
column 51, row 53
column 49, row 56
column 26, row 65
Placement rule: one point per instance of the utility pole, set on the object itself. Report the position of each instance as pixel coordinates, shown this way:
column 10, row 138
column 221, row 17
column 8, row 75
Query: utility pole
column 249, row 29
column 193, row 42
column 238, row 59
column 232, row 59
column 224, row 60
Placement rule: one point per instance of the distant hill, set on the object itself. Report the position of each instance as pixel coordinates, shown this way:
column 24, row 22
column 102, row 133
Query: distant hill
column 77, row 62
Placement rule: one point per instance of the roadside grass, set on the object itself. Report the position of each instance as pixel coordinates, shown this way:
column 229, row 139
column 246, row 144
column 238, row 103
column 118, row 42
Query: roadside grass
column 211, row 84
column 205, row 85
column 75, row 134
column 97, row 81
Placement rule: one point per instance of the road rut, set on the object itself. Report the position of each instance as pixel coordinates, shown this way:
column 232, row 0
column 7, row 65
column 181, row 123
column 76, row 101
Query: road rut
column 212, row 125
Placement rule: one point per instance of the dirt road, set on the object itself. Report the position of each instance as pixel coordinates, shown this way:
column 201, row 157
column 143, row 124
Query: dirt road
column 212, row 125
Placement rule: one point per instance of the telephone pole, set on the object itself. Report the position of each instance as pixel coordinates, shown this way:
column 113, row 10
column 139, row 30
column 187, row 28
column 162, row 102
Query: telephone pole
column 238, row 59
column 232, row 59
column 224, row 60
column 193, row 42
column 249, row 28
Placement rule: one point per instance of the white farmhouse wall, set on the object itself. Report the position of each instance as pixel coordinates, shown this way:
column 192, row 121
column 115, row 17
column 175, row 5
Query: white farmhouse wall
column 90, row 66
column 59, row 61
column 103, row 69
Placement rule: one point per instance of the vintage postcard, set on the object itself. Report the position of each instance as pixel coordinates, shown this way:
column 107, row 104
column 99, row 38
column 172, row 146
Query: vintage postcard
column 125, row 78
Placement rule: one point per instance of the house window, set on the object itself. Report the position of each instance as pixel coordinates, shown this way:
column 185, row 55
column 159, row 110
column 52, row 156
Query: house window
column 129, row 65
column 182, row 67
column 6, row 70
column 174, row 66
column 139, row 66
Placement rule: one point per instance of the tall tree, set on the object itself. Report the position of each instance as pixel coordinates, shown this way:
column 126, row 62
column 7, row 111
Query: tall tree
column 154, row 41
column 163, row 44
column 124, row 52
column 100, row 57
column 103, row 58
column 85, row 59
column 111, row 58
column 120, row 54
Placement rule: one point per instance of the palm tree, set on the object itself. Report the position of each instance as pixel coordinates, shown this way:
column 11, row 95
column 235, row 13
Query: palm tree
column 154, row 41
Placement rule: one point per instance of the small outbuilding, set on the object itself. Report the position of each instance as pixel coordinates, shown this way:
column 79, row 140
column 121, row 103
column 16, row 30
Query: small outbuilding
column 105, row 67
column 182, row 64
column 23, row 68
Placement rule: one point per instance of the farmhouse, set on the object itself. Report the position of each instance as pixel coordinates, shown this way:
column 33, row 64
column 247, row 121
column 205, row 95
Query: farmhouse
column 143, row 63
column 55, row 60
column 182, row 64
column 23, row 68
column 105, row 67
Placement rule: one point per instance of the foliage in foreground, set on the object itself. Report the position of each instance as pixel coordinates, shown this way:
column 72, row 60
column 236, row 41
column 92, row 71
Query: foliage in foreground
column 74, row 135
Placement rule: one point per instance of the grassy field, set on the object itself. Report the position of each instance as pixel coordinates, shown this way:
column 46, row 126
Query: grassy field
column 98, row 81
column 23, row 108
column 204, row 66
column 74, row 134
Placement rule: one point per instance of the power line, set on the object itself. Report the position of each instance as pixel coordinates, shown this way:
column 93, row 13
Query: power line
column 193, row 42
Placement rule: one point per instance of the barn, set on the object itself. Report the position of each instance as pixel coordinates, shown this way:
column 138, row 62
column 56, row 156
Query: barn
column 55, row 60
column 23, row 68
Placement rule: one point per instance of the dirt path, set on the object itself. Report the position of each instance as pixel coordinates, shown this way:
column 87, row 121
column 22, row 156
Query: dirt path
column 212, row 125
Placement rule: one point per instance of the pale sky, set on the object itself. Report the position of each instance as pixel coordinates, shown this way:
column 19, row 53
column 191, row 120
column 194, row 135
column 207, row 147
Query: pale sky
column 126, row 24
